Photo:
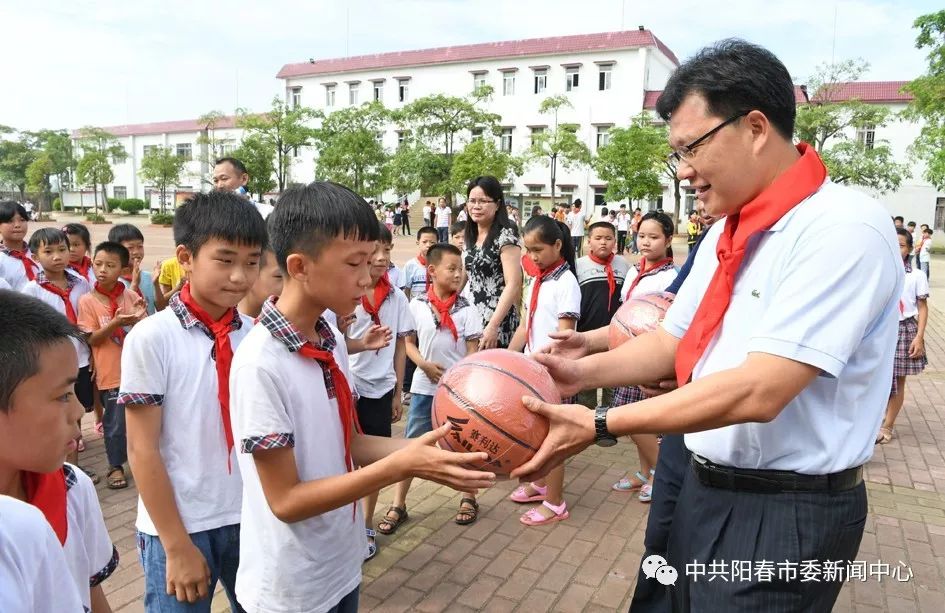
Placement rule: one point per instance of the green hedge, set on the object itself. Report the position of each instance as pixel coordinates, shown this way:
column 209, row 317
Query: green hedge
column 132, row 206
column 57, row 203
column 162, row 219
column 95, row 218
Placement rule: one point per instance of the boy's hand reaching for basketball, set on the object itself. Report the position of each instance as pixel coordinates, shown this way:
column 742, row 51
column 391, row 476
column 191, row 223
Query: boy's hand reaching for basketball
column 422, row 458
column 571, row 431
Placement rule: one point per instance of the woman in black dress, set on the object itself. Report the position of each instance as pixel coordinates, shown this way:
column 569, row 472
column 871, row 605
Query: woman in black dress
column 493, row 262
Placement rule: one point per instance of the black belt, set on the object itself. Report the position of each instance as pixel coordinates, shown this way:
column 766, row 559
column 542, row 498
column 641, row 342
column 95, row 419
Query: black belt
column 773, row 481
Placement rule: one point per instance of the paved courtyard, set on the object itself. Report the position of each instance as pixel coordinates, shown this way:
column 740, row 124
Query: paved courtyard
column 590, row 562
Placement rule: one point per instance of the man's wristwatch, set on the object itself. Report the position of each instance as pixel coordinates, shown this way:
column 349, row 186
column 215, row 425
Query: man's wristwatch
column 603, row 437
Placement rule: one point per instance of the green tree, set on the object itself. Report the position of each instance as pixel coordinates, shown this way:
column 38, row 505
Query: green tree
column 633, row 161
column 57, row 144
column 260, row 165
column 283, row 130
column 928, row 103
column 97, row 140
column 210, row 146
column 15, row 158
column 559, row 145
column 349, row 150
column 162, row 168
column 37, row 177
column 94, row 170
column 828, row 118
column 482, row 157
column 438, row 123
column 415, row 166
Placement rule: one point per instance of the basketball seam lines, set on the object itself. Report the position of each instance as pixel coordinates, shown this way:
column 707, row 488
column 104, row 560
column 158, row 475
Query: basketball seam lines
column 534, row 392
column 469, row 407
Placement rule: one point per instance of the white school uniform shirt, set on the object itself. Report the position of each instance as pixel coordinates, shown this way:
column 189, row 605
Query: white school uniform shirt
column 914, row 288
column 397, row 276
column 167, row 360
column 415, row 277
column 655, row 281
column 558, row 298
column 924, row 254
column 89, row 552
column 623, row 222
column 4, row 284
column 281, row 399
column 373, row 371
column 793, row 299
column 12, row 270
column 33, row 568
column 443, row 215
column 576, row 222
column 426, row 213
column 263, row 208
column 436, row 344
column 80, row 287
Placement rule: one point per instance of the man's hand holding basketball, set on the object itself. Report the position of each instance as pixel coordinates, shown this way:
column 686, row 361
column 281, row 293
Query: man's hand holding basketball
column 422, row 458
column 571, row 431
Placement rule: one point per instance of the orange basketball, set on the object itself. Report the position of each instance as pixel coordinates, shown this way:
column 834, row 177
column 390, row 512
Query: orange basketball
column 638, row 315
column 481, row 397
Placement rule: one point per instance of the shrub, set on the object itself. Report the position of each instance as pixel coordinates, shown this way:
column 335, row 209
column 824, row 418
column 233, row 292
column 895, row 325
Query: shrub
column 162, row 219
column 132, row 206
column 57, row 204
column 95, row 218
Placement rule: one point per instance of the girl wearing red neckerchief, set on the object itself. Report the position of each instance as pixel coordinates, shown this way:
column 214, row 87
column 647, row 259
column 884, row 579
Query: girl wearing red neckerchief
column 653, row 273
column 552, row 303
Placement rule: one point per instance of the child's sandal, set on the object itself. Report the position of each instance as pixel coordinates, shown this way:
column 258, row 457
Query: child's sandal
column 521, row 494
column 471, row 512
column 534, row 517
column 392, row 523
column 627, row 485
column 371, row 545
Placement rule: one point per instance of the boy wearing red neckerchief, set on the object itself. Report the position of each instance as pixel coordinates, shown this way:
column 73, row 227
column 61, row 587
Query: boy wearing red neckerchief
column 415, row 270
column 39, row 413
column 176, row 394
column 17, row 267
column 105, row 315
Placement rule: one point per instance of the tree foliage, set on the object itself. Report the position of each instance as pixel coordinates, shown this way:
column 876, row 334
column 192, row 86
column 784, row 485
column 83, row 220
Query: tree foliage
column 283, row 130
column 15, row 158
column 559, row 145
column 415, row 166
column 633, row 161
column 106, row 148
column 350, row 151
column 482, row 157
column 57, row 145
column 928, row 104
column 260, row 165
column 94, row 170
column 210, row 146
column 162, row 168
column 37, row 176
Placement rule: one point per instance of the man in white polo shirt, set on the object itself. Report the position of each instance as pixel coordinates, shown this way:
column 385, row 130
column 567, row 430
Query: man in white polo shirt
column 230, row 175
column 783, row 355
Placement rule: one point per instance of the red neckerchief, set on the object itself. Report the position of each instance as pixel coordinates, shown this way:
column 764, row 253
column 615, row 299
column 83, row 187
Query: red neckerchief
column 382, row 290
column 533, row 303
column 528, row 265
column 113, row 296
column 802, row 179
column 643, row 271
column 426, row 275
column 611, row 281
column 223, row 350
column 442, row 308
column 65, row 295
column 346, row 413
column 28, row 264
column 47, row 492
column 82, row 267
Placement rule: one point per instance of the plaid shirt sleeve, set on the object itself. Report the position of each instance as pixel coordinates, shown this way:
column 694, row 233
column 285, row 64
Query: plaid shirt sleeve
column 260, row 419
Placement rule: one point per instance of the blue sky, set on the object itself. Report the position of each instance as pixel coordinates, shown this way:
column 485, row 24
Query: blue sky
column 109, row 62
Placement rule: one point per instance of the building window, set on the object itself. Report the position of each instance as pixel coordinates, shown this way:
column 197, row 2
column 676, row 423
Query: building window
column 116, row 159
column 535, row 190
column 378, row 91
column 535, row 132
column 402, row 136
column 185, row 151
column 353, row 94
column 603, row 136
column 599, row 199
column 147, row 149
column 690, row 200
column 379, row 137
column 603, row 77
column 479, row 80
column 541, row 80
column 505, row 143
column 403, row 90
column 226, row 147
column 572, row 78
column 508, row 83
column 866, row 136
column 329, row 96
column 476, row 133
column 296, row 97
column 119, row 191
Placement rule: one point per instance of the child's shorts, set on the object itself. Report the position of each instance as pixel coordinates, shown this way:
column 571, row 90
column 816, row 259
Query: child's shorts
column 83, row 389
column 420, row 417
column 374, row 414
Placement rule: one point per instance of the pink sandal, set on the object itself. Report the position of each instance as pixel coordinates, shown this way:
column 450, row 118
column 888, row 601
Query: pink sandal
column 534, row 518
column 521, row 493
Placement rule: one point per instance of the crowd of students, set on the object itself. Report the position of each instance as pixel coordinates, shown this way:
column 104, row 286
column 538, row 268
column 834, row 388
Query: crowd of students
column 250, row 382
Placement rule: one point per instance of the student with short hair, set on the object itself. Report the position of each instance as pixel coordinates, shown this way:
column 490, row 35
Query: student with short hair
column 80, row 248
column 577, row 221
column 303, row 538
column 415, row 270
column 443, row 217
column 924, row 252
column 135, row 277
column 458, row 234
column 38, row 427
column 17, row 267
column 175, row 390
column 268, row 284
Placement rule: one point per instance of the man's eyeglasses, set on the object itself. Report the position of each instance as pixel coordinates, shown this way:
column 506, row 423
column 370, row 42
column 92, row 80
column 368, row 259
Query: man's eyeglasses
column 479, row 201
column 687, row 151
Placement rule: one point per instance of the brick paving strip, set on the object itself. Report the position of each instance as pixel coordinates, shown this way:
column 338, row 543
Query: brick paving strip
column 590, row 562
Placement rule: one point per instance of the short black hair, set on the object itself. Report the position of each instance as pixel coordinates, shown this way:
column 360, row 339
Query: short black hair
column 124, row 232
column 928, row 231
column 264, row 257
column 48, row 236
column 29, row 326
column 548, row 231
column 114, row 249
column 911, row 223
column 238, row 166
column 384, row 234
column 218, row 215
column 9, row 208
column 907, row 235
column 426, row 230
column 899, row 218
column 666, row 224
column 577, row 202
column 734, row 76
column 459, row 226
column 77, row 229
column 437, row 251
column 311, row 216
column 601, row 224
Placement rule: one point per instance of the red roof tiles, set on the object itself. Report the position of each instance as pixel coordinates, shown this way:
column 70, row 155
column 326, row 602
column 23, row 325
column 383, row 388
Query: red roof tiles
column 481, row 51
column 163, row 127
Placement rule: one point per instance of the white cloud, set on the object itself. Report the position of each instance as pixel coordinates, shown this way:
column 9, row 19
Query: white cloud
column 110, row 62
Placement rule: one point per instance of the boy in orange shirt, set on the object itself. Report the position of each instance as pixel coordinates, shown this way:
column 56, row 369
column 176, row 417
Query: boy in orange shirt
column 105, row 314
